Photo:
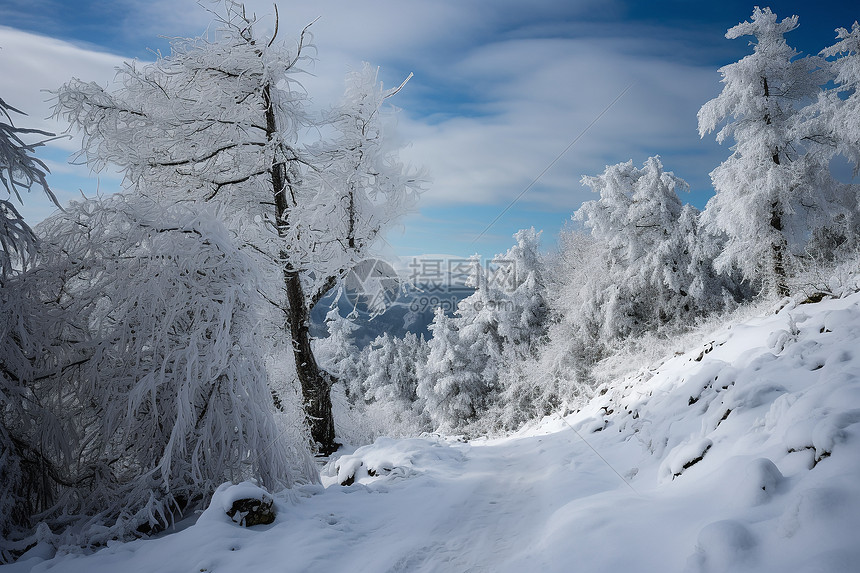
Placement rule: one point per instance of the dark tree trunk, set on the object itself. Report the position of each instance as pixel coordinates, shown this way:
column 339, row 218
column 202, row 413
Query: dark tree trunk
column 779, row 270
column 315, row 383
column 778, row 247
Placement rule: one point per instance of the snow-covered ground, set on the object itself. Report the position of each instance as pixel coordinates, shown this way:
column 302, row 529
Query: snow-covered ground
column 742, row 454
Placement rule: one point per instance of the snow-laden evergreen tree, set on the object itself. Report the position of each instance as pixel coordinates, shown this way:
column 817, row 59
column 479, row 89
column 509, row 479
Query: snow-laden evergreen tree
column 380, row 359
column 452, row 389
column 771, row 195
column 523, row 308
column 502, row 323
column 522, row 315
column 540, row 384
column 392, row 365
column 383, row 399
column 338, row 352
column 477, row 321
column 833, row 120
column 155, row 370
column 412, row 353
column 218, row 120
column 829, row 128
column 651, row 272
column 847, row 67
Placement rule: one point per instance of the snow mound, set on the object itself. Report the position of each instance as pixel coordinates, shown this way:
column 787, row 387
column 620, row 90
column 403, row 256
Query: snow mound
column 684, row 456
column 388, row 458
column 222, row 508
column 723, row 546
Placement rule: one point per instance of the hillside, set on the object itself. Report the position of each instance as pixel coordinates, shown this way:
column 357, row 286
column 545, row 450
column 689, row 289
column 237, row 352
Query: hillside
column 741, row 454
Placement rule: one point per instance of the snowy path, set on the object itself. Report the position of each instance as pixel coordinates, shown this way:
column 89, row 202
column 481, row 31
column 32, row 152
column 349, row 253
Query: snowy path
column 484, row 506
column 741, row 455
column 504, row 496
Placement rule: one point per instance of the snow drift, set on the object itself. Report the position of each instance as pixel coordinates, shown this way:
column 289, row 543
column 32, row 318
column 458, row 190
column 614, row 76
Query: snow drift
column 738, row 455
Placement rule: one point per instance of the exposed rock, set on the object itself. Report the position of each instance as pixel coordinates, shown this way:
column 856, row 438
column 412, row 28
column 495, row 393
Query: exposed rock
column 252, row 511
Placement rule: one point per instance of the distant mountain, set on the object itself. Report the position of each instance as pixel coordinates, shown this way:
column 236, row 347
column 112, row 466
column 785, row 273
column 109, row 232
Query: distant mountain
column 426, row 283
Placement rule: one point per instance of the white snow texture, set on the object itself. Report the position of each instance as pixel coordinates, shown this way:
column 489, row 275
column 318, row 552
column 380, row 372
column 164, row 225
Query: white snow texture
column 737, row 455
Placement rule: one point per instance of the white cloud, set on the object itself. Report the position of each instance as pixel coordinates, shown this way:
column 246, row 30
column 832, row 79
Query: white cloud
column 32, row 64
column 540, row 95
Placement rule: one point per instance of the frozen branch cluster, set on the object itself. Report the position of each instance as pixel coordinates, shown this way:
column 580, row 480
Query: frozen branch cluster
column 20, row 171
column 152, row 390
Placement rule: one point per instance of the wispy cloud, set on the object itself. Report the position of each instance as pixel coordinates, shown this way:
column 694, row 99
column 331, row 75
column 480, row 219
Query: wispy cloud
column 539, row 95
column 32, row 64
column 486, row 112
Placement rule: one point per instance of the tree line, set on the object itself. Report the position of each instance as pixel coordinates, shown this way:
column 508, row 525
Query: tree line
column 638, row 261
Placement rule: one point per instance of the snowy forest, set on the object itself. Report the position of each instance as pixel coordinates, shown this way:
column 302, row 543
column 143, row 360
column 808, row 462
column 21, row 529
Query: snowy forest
column 157, row 342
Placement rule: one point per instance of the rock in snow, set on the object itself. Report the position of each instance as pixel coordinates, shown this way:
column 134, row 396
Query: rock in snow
column 245, row 504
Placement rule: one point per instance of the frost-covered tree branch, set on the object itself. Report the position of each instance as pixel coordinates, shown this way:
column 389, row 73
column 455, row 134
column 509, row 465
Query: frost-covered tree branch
column 20, row 171
column 153, row 387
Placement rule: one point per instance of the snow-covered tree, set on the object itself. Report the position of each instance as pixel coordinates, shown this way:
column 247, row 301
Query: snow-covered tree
column 338, row 351
column 524, row 310
column 477, row 321
column 392, row 366
column 20, row 171
column 26, row 331
column 555, row 372
column 218, row 120
column 357, row 186
column 412, row 353
column 771, row 194
column 835, row 120
column 828, row 128
column 500, row 324
column 380, row 358
column 453, row 391
column 155, row 369
column 650, row 275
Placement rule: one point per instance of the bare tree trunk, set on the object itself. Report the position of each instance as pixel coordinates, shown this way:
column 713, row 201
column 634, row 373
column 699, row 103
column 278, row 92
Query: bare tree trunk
column 778, row 262
column 316, row 384
column 778, row 247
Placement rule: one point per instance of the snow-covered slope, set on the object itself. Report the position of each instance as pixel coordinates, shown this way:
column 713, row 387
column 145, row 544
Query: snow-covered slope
column 740, row 455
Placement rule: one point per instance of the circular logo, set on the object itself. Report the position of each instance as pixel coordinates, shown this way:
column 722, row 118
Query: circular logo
column 371, row 286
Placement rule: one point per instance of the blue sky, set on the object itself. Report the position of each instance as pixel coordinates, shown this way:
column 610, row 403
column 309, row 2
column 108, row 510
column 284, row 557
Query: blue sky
column 500, row 90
